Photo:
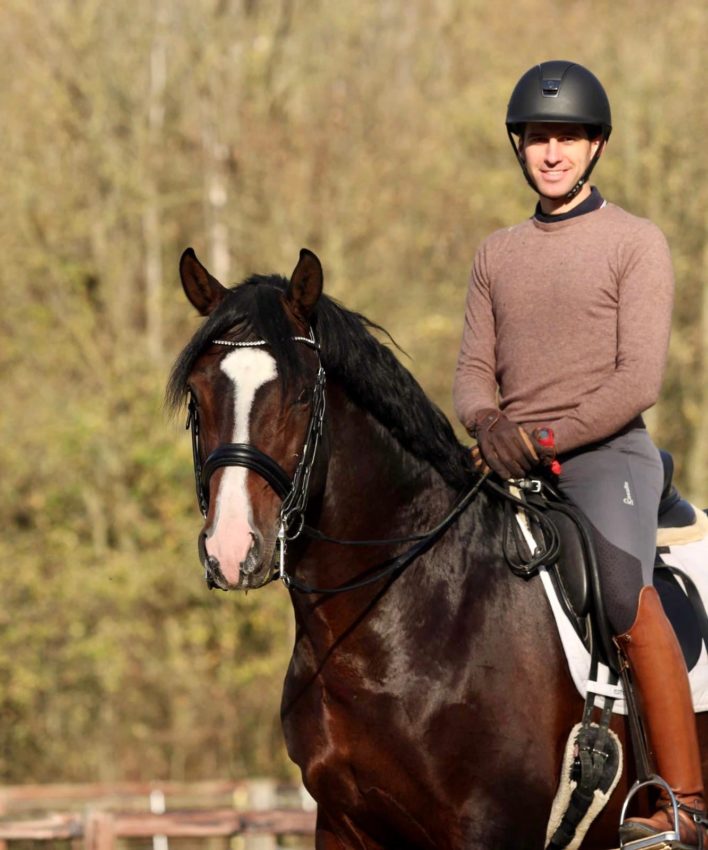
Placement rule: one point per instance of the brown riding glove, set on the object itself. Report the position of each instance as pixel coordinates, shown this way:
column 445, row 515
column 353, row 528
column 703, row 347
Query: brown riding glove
column 502, row 445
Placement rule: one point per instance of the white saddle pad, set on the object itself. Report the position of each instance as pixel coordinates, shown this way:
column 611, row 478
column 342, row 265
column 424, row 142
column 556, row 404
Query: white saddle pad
column 692, row 558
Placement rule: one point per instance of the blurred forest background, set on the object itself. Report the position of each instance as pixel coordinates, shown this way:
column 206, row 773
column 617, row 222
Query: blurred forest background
column 370, row 131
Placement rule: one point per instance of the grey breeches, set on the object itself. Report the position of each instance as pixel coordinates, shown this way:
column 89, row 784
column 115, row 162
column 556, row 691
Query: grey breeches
column 617, row 484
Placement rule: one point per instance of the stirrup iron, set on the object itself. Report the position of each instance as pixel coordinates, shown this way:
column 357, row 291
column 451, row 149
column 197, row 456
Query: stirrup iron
column 660, row 840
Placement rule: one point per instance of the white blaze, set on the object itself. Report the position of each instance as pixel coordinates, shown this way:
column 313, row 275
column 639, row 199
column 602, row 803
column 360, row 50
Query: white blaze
column 229, row 537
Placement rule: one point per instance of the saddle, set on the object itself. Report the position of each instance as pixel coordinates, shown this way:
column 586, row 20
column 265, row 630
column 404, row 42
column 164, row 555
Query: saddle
column 576, row 577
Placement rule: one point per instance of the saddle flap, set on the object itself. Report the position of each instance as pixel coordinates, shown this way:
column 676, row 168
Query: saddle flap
column 572, row 564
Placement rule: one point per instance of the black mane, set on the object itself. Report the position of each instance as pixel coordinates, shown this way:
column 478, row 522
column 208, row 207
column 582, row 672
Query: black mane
column 369, row 372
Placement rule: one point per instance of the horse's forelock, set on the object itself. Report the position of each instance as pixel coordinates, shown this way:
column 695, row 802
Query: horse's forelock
column 255, row 304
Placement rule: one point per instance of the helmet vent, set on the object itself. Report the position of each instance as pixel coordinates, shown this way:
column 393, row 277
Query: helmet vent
column 550, row 88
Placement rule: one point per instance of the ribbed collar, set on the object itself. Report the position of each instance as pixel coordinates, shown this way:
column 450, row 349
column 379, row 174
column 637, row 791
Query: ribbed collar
column 590, row 204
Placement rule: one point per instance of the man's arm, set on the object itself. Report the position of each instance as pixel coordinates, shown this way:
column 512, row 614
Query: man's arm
column 643, row 328
column 475, row 386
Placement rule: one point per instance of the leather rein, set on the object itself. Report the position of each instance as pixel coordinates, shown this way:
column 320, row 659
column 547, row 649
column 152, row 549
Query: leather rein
column 294, row 492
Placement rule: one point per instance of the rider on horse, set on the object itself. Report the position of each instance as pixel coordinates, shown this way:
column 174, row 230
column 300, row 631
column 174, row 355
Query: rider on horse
column 566, row 333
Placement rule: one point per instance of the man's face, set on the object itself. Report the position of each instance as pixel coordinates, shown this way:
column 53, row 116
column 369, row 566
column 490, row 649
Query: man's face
column 557, row 156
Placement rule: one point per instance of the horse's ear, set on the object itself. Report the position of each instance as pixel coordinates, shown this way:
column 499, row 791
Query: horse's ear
column 204, row 291
column 305, row 285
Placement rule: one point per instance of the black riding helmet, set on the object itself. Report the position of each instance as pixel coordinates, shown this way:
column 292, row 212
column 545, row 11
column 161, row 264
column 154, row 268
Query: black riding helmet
column 558, row 92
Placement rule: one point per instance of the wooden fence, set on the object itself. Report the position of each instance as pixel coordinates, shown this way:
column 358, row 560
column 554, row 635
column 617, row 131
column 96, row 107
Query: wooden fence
column 97, row 816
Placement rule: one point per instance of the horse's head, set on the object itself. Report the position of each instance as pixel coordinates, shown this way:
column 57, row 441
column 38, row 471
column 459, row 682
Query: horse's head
column 256, row 395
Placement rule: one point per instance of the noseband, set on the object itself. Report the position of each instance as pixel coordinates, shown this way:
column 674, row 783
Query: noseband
column 293, row 491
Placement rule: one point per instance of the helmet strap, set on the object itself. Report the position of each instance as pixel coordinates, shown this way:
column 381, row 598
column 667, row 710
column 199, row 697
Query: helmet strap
column 578, row 186
column 586, row 176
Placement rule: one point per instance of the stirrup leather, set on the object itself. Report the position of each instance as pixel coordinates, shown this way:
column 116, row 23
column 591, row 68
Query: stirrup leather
column 670, row 838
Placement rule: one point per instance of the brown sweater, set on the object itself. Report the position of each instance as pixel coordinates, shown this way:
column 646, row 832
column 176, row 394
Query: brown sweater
column 567, row 324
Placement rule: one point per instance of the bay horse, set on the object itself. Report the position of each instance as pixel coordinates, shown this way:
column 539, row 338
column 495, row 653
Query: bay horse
column 429, row 703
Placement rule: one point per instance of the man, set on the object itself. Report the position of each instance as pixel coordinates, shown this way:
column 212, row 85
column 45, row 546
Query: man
column 566, row 328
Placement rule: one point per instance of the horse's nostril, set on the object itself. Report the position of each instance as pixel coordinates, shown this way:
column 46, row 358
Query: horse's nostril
column 252, row 561
column 213, row 574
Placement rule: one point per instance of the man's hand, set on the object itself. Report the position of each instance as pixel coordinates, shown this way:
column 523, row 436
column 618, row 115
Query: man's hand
column 502, row 445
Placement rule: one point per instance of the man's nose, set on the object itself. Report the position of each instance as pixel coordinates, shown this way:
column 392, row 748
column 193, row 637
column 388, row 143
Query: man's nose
column 553, row 151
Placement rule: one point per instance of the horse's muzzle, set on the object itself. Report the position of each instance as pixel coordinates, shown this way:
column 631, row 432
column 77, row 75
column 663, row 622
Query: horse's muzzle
column 252, row 571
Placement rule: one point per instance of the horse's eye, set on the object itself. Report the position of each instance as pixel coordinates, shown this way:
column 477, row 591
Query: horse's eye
column 303, row 397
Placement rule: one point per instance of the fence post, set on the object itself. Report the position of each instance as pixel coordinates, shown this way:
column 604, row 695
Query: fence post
column 158, row 807
column 261, row 797
column 98, row 830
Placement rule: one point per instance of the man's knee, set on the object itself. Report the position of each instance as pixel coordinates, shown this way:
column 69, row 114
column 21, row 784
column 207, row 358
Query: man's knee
column 621, row 581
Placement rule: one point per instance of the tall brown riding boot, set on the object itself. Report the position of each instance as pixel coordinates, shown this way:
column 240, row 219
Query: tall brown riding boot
column 659, row 673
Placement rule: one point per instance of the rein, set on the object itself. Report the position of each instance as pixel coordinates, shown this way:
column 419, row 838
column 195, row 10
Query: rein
column 545, row 553
column 423, row 541
column 294, row 493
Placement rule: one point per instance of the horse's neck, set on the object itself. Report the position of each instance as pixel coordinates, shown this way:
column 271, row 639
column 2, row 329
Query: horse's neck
column 375, row 490
column 386, row 491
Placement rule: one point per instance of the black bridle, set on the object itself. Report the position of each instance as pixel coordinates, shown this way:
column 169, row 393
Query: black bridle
column 293, row 492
